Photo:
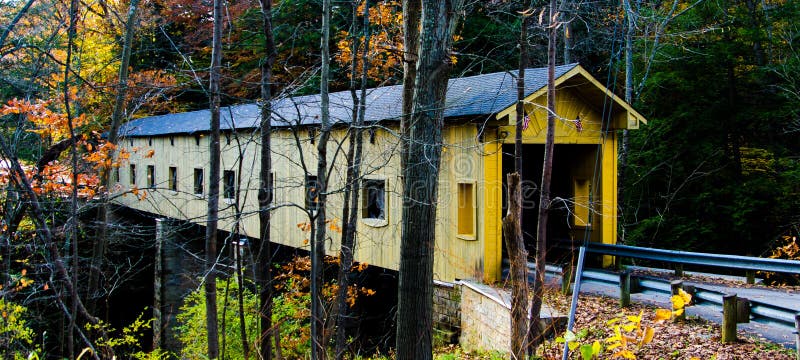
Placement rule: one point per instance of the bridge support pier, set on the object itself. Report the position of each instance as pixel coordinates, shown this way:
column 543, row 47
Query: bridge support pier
column 170, row 283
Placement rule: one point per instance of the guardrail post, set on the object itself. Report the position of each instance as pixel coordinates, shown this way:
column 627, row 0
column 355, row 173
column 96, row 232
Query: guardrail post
column 729, row 318
column 675, row 287
column 797, row 334
column 679, row 270
column 751, row 276
column 625, row 288
column 566, row 278
column 742, row 311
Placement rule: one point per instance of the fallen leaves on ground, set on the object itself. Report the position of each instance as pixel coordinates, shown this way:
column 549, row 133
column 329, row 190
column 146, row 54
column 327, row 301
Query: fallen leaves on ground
column 694, row 338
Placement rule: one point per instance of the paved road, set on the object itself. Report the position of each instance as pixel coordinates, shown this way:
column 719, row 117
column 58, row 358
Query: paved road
column 776, row 332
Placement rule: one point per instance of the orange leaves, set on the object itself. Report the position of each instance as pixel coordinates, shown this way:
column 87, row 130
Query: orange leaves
column 47, row 123
column 386, row 42
column 150, row 154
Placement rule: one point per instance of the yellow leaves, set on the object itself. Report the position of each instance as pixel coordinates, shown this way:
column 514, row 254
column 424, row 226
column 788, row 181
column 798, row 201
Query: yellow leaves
column 649, row 333
column 629, row 335
column 680, row 301
column 663, row 314
column 150, row 154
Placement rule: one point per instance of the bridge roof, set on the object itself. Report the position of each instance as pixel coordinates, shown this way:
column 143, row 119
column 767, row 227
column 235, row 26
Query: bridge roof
column 479, row 95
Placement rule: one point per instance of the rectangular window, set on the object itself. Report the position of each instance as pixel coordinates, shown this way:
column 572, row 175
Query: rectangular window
column 173, row 178
column 133, row 174
column 198, row 182
column 466, row 209
column 115, row 175
column 374, row 199
column 312, row 192
column 229, row 184
column 151, row 176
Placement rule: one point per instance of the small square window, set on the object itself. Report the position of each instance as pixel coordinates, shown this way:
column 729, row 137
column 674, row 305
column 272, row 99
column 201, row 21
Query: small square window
column 312, row 192
column 374, row 199
column 198, row 182
column 173, row 178
column 229, row 184
column 466, row 209
column 133, row 174
column 151, row 176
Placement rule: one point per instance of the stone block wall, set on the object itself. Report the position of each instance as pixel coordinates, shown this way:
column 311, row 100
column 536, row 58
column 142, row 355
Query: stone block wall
column 485, row 320
column 447, row 311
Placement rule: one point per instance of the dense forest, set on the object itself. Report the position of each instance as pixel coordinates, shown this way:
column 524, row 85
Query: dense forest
column 716, row 168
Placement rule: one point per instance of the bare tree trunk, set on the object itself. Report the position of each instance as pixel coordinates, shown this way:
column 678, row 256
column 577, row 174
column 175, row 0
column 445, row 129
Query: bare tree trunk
column 264, row 257
column 519, row 269
column 623, row 153
column 420, row 188
column 318, row 242
column 72, row 224
column 213, row 186
column 536, row 332
column 101, row 242
column 412, row 11
column 512, row 224
column 352, row 187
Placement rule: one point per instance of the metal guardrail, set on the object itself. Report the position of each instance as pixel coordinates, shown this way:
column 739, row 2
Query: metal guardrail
column 694, row 258
column 760, row 312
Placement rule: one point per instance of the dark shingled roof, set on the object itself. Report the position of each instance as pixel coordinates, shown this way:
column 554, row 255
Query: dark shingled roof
column 468, row 96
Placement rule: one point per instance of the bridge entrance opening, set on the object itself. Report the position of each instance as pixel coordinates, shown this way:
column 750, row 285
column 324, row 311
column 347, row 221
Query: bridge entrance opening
column 574, row 189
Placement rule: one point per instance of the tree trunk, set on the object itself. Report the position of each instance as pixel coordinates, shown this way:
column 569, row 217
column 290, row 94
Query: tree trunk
column 263, row 257
column 213, row 186
column 420, row 187
column 623, row 153
column 352, row 188
column 72, row 225
column 101, row 242
column 412, row 11
column 544, row 199
column 318, row 242
column 512, row 224
column 512, row 230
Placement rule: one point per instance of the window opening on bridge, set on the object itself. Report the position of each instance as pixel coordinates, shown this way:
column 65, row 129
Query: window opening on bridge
column 374, row 199
column 198, row 181
column 172, row 181
column 229, row 180
column 151, row 176
column 133, row 174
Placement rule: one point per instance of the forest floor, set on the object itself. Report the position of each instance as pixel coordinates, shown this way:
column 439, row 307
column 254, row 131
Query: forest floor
column 693, row 338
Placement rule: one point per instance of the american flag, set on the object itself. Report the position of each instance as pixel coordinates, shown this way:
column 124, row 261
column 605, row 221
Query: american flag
column 578, row 124
column 525, row 122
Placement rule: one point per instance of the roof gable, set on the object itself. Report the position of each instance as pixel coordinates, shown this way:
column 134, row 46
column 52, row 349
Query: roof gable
column 592, row 92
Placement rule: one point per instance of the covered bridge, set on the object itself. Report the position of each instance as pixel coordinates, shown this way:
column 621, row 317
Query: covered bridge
column 166, row 171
